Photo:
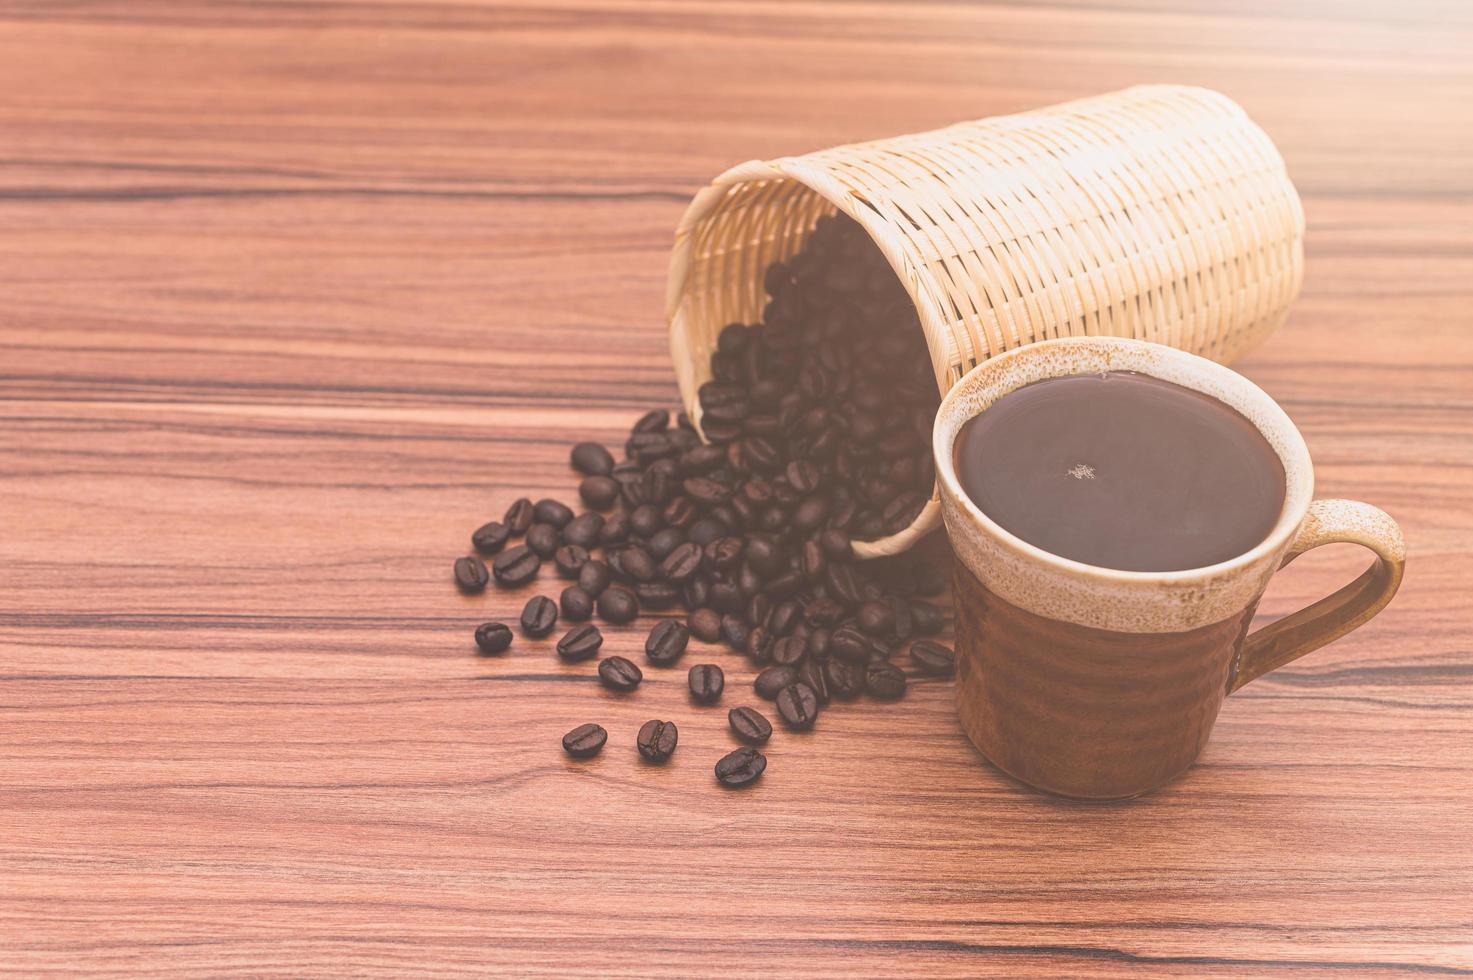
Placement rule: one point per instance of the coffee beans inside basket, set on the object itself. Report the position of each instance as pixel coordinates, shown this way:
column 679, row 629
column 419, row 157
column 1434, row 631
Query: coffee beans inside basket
column 817, row 423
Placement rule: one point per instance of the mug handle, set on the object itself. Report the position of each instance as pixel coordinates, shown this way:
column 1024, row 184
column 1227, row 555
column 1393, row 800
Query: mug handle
column 1328, row 522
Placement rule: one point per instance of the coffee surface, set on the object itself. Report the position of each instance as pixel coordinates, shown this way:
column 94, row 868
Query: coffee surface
column 1123, row 471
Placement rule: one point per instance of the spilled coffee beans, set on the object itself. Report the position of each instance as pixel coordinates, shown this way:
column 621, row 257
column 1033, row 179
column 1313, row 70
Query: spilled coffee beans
column 493, row 638
column 585, row 741
column 656, row 740
column 706, row 683
column 740, row 768
column 619, row 674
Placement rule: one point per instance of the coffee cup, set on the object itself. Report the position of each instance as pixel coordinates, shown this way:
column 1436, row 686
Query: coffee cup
column 1097, row 683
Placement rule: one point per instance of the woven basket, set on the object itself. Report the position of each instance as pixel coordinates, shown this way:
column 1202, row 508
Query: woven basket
column 1159, row 212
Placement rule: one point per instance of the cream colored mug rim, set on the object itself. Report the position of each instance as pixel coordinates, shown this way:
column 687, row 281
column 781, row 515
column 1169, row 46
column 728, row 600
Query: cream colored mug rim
column 1271, row 420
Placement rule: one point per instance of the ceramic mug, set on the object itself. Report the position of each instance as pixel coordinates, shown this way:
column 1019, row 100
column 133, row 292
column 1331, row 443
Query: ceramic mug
column 1095, row 683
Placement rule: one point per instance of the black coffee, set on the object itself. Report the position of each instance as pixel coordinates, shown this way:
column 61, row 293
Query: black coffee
column 1123, row 471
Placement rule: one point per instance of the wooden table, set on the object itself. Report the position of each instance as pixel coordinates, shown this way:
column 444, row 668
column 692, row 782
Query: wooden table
column 295, row 295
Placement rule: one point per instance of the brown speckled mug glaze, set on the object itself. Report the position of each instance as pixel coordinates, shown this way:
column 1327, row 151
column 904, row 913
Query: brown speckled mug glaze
column 1095, row 683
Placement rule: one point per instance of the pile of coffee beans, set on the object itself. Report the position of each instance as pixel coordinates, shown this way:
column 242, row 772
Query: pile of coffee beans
column 817, row 425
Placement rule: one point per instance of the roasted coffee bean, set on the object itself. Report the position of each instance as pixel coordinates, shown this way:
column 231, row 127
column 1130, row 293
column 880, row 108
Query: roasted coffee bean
column 811, row 673
column 705, row 625
column 803, row 475
column 726, row 596
column 885, row 681
column 599, row 492
column 723, row 553
column 619, row 674
column 656, row 595
column 706, row 683
column 515, row 566
column 656, row 740
column 815, row 561
column 734, row 631
column 740, row 768
column 591, row 459
column 772, row 680
column 539, row 616
column 932, row 658
column 493, row 637
column 681, row 563
column 749, row 725
column 695, row 591
column 846, row 681
column 490, row 537
column 843, row 586
column 818, row 644
column 664, row 541
column 470, row 574
column 553, row 512
column 666, row 642
column 749, row 581
column 656, row 420
column 617, row 605
column 926, row 619
column 704, row 530
column 786, row 616
column 637, row 564
column 705, row 491
column 848, row 644
column 645, row 520
column 809, row 515
column 759, row 610
column 580, row 643
column 788, row 650
column 835, row 544
column 875, row 618
column 900, row 611
column 822, row 612
column 583, row 530
column 519, row 516
column 759, row 644
column 570, row 559
column 543, row 539
column 576, row 604
column 787, row 584
column 797, row 705
column 585, row 741
column 764, row 556
column 594, row 576
column 615, row 530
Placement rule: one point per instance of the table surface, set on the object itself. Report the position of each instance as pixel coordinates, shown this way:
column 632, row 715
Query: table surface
column 297, row 294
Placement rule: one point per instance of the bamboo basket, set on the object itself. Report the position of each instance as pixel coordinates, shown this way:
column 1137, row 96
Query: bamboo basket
column 1159, row 212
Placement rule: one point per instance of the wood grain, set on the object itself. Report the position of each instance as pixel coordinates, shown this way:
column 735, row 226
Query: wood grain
column 296, row 294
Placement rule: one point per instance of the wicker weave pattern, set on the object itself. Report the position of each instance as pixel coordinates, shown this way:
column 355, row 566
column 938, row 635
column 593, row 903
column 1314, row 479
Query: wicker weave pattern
column 1158, row 212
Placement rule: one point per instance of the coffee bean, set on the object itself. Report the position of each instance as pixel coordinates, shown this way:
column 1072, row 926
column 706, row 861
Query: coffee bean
column 645, row 520
column 591, row 459
column 926, row 619
column 656, row 740
column 490, row 537
column 599, row 492
column 932, row 658
column 705, row 491
column 810, row 513
column 706, row 683
column 848, row 644
column 666, row 642
column 797, row 706
column 705, row 625
column 470, row 574
column 875, row 618
column 493, row 637
column 594, row 576
column 657, row 595
column 519, row 516
column 539, row 616
column 803, row 475
column 580, row 643
column 664, row 542
column 616, row 605
column 576, row 604
column 759, row 610
column 583, row 530
column 619, row 674
column 656, row 420
column 704, row 530
column 740, row 768
column 789, row 650
column 637, row 564
column 814, row 561
column 786, row 616
column 734, row 631
column 543, row 540
column 726, row 596
column 772, row 680
column 822, row 612
column 570, row 559
column 695, row 591
column 818, row 644
column 811, row 673
column 843, row 585
column 749, row 725
column 515, row 566
column 900, row 612
column 585, row 741
column 554, row 512
column 885, row 681
column 835, row 544
column 723, row 553
column 846, row 681
column 764, row 556
column 615, row 530
column 681, row 563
